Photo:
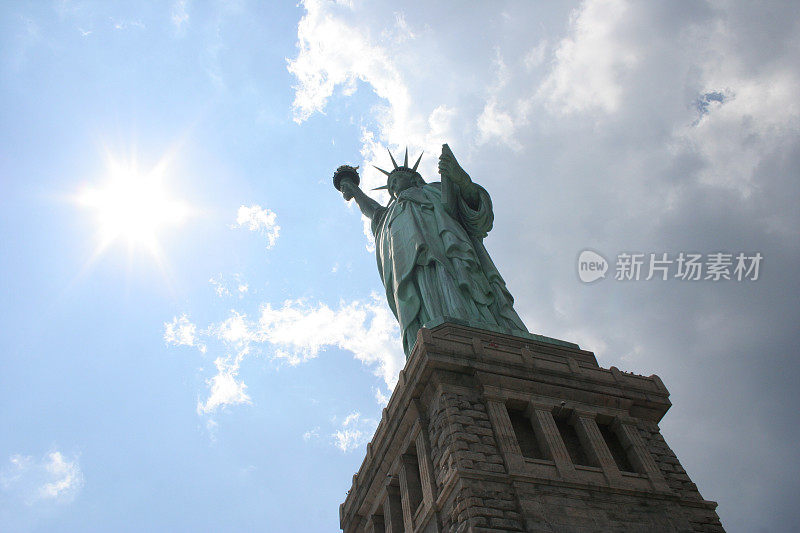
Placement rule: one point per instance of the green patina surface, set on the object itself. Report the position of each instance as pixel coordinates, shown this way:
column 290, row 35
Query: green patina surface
column 433, row 324
column 430, row 252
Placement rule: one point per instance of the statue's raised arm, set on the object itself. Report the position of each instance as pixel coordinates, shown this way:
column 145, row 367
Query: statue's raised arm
column 346, row 180
column 429, row 247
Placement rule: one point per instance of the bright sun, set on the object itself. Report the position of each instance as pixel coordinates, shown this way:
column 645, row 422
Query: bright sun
column 133, row 205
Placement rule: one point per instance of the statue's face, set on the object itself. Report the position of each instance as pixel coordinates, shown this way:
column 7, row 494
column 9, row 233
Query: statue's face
column 400, row 181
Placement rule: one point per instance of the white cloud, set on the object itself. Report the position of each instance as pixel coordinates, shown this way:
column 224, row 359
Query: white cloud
column 66, row 477
column 182, row 332
column 225, row 388
column 591, row 63
column 122, row 24
column 756, row 116
column 224, row 289
column 354, row 432
column 211, row 427
column 294, row 333
column 179, row 15
column 536, row 55
column 235, row 330
column 351, row 419
column 349, row 439
column 495, row 123
column 311, row 434
column 440, row 121
column 381, row 397
column 325, row 60
column 219, row 286
column 53, row 478
column 367, row 329
column 338, row 47
column 259, row 219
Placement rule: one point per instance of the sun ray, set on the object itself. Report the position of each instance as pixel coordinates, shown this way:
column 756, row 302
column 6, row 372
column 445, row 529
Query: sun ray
column 133, row 206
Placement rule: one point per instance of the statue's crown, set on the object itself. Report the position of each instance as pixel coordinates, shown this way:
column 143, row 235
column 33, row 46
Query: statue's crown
column 401, row 168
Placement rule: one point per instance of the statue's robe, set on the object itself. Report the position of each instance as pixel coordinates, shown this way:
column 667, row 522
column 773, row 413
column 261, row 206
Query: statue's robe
column 434, row 265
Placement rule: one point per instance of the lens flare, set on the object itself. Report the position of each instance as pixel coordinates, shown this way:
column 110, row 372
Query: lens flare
column 133, row 205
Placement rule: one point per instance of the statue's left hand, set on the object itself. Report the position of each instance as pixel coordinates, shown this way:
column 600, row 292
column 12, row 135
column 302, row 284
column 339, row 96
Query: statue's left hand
column 450, row 169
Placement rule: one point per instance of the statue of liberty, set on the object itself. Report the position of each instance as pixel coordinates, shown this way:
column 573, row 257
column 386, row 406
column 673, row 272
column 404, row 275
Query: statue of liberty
column 429, row 247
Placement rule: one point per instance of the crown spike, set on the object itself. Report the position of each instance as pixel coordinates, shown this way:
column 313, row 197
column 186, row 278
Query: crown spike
column 417, row 163
column 385, row 172
column 405, row 162
column 392, row 158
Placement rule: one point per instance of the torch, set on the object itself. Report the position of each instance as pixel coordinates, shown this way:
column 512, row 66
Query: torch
column 345, row 173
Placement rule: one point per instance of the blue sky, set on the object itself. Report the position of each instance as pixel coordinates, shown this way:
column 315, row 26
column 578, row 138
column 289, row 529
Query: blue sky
column 225, row 370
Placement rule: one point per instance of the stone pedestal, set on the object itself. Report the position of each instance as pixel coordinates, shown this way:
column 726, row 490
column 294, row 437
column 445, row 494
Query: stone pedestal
column 491, row 432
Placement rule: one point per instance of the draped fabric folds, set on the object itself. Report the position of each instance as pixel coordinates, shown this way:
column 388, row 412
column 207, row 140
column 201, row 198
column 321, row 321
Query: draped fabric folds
column 433, row 264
